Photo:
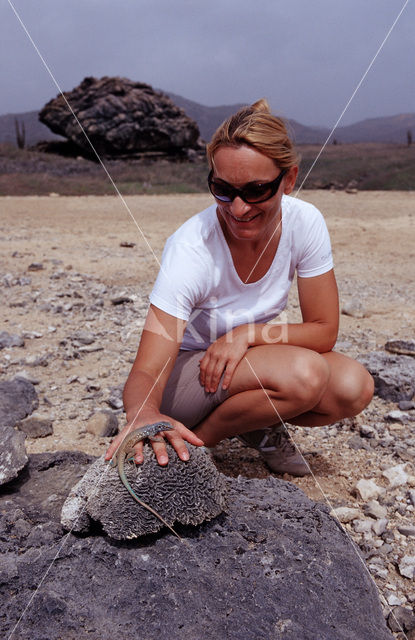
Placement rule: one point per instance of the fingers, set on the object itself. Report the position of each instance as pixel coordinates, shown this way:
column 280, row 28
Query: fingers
column 211, row 370
column 114, row 445
column 176, row 437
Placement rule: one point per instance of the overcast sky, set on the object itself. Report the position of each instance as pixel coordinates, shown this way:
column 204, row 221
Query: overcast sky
column 305, row 56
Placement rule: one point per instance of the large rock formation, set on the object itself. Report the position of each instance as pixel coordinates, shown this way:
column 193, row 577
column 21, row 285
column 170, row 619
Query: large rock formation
column 275, row 567
column 120, row 118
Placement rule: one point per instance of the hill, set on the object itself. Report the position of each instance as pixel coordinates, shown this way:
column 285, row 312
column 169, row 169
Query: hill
column 388, row 129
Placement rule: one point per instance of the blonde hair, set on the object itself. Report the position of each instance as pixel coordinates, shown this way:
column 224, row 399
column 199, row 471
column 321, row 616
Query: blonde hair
column 256, row 127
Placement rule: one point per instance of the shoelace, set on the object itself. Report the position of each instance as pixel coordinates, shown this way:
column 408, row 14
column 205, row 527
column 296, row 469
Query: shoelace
column 275, row 439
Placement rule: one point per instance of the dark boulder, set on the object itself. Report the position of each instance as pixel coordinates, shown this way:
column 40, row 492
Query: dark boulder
column 13, row 455
column 121, row 118
column 394, row 375
column 275, row 567
column 18, row 399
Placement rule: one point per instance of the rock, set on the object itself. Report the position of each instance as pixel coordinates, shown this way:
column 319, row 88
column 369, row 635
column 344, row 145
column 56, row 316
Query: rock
column 185, row 492
column 35, row 266
column 345, row 514
column 121, row 299
column 103, row 424
column 18, row 399
column 401, row 619
column 403, row 347
column 10, row 340
column 368, row 489
column 375, row 510
column 13, row 455
column 407, row 567
column 356, row 443
column 362, row 526
column 36, row 426
column 379, row 526
column 83, row 337
column 397, row 475
column 407, row 530
column 367, row 431
column 354, row 308
column 411, row 495
column 122, row 118
column 394, row 375
column 115, row 400
column 406, row 405
column 399, row 416
column 275, row 566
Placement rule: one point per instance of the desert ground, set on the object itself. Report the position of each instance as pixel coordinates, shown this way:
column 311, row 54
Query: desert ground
column 65, row 260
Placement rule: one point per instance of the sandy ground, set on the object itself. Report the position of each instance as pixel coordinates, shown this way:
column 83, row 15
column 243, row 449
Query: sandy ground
column 373, row 238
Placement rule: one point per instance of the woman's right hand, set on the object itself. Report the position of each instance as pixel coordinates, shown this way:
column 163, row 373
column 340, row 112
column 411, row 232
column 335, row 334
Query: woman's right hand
column 176, row 437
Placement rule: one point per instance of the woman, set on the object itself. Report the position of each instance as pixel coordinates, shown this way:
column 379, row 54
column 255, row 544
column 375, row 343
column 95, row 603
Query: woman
column 209, row 359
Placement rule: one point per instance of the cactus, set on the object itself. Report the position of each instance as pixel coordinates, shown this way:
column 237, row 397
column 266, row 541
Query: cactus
column 20, row 134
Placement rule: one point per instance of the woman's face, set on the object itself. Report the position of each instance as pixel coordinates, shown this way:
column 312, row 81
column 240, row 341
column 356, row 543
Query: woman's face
column 238, row 166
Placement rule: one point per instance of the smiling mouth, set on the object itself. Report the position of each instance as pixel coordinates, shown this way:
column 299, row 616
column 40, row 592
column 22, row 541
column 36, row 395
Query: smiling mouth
column 244, row 220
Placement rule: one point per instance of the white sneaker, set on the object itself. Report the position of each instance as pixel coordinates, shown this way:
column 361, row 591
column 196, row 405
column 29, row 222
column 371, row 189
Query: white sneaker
column 277, row 450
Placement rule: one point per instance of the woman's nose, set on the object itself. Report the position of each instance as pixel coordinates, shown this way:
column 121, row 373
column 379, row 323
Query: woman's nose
column 238, row 207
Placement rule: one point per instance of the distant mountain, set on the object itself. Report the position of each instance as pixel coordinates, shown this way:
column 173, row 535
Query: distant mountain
column 387, row 129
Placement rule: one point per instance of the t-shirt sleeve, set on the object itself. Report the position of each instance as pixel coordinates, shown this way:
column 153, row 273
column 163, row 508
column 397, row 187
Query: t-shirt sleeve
column 182, row 280
column 315, row 256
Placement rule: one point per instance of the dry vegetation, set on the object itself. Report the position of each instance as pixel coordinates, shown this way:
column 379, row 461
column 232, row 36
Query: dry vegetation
column 368, row 166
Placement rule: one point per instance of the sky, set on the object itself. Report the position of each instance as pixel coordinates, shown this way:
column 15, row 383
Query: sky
column 306, row 57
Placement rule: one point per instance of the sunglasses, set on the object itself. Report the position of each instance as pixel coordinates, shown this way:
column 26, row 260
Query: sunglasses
column 251, row 193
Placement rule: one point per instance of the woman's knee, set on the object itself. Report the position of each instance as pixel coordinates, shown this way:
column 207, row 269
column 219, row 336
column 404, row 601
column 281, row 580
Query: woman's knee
column 309, row 377
column 356, row 390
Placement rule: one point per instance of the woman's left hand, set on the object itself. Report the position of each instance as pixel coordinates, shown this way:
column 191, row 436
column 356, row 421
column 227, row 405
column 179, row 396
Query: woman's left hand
column 222, row 357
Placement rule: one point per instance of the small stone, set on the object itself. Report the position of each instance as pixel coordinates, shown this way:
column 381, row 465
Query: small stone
column 35, row 266
column 368, row 489
column 121, row 299
column 36, row 426
column 354, row 308
column 103, row 424
column 401, row 618
column 83, row 337
column 10, row 340
column 411, row 495
column 406, row 405
column 356, row 443
column 398, row 416
column 407, row 567
column 345, row 514
column 379, row 526
column 394, row 600
column 407, row 530
column 397, row 475
column 375, row 510
column 362, row 526
column 367, row 431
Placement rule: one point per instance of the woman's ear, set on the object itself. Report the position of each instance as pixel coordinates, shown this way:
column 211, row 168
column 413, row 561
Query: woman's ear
column 289, row 179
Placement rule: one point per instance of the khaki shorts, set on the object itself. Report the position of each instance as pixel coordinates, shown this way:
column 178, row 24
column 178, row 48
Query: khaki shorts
column 184, row 398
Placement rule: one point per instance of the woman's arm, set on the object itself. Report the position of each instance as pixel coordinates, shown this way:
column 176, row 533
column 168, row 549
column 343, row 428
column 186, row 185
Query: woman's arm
column 143, row 391
column 318, row 331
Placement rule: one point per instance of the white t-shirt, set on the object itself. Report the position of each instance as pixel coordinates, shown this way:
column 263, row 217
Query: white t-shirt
column 198, row 282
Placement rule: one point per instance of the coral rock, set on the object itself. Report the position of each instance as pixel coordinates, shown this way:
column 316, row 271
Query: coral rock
column 185, row 492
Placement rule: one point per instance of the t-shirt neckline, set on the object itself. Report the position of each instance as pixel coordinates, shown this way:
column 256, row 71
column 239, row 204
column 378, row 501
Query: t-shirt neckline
column 278, row 252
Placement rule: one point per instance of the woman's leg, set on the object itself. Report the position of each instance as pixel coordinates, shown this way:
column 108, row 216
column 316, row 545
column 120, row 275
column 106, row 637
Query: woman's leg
column 349, row 391
column 295, row 384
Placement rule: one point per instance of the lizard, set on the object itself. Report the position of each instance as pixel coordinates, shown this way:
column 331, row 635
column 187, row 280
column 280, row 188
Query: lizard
column 124, row 450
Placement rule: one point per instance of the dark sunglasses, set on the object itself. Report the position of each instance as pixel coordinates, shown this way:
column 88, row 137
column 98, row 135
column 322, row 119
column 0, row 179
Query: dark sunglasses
column 251, row 193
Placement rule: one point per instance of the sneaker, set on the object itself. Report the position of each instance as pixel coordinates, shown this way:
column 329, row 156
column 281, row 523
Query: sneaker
column 277, row 450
